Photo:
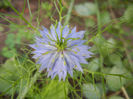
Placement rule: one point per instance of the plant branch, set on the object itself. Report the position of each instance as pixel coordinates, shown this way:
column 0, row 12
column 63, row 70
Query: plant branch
column 75, row 13
column 125, row 93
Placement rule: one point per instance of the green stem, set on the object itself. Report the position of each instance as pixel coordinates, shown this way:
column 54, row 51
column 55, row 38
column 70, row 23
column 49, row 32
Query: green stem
column 65, row 90
column 28, row 86
column 29, row 8
column 98, row 17
column 69, row 12
column 21, row 16
column 104, row 74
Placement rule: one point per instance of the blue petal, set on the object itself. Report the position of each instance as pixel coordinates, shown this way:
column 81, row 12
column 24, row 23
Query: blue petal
column 58, row 30
column 53, row 32
column 76, row 62
column 75, row 34
column 65, row 31
column 75, row 42
column 80, row 58
column 36, row 56
column 46, row 61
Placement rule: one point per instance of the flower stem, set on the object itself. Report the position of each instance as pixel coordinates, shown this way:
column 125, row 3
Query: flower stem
column 125, row 93
column 28, row 86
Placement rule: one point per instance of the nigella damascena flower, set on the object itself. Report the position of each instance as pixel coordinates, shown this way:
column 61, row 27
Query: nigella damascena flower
column 60, row 50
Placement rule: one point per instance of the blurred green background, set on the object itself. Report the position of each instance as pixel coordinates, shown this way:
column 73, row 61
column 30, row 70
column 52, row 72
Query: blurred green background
column 109, row 31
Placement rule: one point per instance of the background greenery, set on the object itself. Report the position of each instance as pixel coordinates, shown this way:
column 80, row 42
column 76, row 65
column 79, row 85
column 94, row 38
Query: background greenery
column 108, row 25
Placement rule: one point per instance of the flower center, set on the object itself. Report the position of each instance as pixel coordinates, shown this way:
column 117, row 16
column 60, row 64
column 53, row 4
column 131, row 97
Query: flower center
column 61, row 46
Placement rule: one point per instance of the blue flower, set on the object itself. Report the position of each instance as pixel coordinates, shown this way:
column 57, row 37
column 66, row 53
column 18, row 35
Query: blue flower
column 60, row 50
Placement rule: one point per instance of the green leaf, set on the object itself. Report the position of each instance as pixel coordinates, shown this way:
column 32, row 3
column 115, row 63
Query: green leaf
column 55, row 90
column 116, row 60
column 128, row 15
column 116, row 97
column 93, row 65
column 3, row 4
column 47, row 6
column 13, row 27
column 8, row 74
column 6, row 52
column 13, row 76
column 89, row 22
column 106, row 69
column 104, row 46
column 10, row 40
column 90, row 91
column 86, row 9
column 101, row 88
column 20, row 34
column 115, row 82
column 111, row 43
column 105, row 17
